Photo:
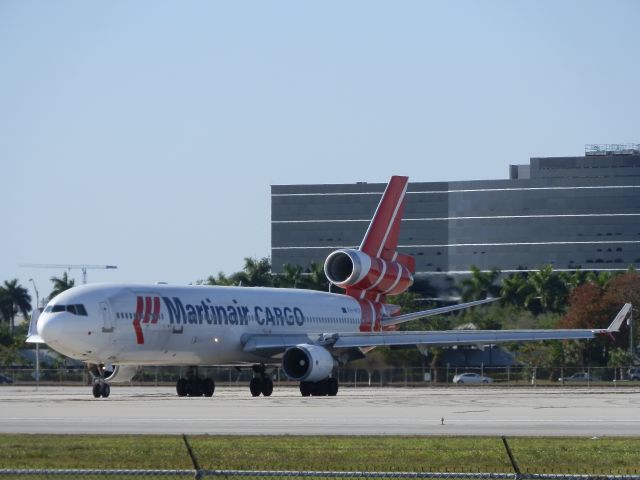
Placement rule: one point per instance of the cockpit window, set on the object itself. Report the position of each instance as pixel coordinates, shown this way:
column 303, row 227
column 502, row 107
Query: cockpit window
column 77, row 309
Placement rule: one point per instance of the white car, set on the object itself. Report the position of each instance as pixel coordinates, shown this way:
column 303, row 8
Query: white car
column 471, row 378
column 580, row 377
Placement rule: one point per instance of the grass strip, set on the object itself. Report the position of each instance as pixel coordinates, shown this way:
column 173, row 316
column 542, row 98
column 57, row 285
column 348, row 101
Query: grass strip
column 348, row 453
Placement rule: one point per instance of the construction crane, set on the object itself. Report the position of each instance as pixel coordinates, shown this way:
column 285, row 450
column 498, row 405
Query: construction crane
column 81, row 267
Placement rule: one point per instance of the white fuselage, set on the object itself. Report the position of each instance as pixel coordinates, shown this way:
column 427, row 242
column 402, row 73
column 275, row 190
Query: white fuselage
column 185, row 325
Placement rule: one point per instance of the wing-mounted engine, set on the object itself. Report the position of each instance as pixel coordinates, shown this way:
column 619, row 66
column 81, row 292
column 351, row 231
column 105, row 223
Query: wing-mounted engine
column 356, row 271
column 309, row 363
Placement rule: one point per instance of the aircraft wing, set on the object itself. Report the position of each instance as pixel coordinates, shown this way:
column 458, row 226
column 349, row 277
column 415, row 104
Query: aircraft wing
column 270, row 344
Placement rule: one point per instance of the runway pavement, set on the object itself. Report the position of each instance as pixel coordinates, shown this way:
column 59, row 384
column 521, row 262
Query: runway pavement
column 361, row 411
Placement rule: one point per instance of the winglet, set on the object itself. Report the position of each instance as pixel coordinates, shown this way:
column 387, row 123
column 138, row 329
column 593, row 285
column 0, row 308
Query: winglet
column 620, row 317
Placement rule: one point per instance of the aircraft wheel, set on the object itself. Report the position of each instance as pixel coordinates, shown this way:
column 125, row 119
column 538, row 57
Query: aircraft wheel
column 97, row 390
column 208, row 387
column 105, row 390
column 332, row 387
column 267, row 387
column 305, row 388
column 255, row 386
column 319, row 389
column 182, row 387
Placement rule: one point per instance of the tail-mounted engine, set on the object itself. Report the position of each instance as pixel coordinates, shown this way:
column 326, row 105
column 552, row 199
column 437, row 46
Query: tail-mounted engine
column 310, row 363
column 355, row 270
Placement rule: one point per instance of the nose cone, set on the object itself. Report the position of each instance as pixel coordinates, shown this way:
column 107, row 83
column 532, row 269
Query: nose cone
column 50, row 328
column 62, row 332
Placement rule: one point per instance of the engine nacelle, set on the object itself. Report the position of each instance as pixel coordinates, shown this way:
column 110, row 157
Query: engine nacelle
column 310, row 363
column 121, row 373
column 349, row 268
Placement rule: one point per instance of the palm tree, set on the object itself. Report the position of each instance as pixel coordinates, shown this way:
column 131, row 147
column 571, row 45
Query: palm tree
column 256, row 273
column 16, row 299
column 317, row 280
column 60, row 284
column 548, row 291
column 515, row 289
column 599, row 279
column 291, row 276
column 480, row 284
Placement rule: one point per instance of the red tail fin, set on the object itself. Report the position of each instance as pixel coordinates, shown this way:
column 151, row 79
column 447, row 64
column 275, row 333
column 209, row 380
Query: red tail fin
column 381, row 239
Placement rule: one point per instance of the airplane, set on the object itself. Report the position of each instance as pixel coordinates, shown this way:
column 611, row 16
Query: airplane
column 117, row 328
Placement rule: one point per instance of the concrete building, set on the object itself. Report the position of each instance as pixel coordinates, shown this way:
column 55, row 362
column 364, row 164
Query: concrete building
column 570, row 212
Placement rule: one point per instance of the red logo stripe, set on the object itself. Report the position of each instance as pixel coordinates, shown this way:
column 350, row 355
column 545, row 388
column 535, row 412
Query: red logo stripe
column 147, row 310
column 136, row 320
column 156, row 310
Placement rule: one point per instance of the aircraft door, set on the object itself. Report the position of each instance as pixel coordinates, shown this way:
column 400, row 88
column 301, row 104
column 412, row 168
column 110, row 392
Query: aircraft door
column 107, row 319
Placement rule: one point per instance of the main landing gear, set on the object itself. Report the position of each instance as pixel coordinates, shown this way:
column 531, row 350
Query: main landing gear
column 194, row 386
column 328, row 386
column 261, row 383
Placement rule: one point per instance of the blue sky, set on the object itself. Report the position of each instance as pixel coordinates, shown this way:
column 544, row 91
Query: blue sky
column 147, row 134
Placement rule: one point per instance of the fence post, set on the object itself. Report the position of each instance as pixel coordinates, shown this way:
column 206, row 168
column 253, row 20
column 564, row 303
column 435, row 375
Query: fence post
column 194, row 460
column 514, row 464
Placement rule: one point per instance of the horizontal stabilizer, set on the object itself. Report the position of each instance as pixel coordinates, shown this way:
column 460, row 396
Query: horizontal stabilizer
column 407, row 317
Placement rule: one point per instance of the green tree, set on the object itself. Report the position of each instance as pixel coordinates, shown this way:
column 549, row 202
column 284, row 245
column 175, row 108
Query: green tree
column 220, row 279
column 15, row 298
column 60, row 284
column 547, row 291
column 600, row 279
column 480, row 284
column 620, row 359
column 291, row 276
column 316, row 279
column 256, row 273
column 574, row 279
column 515, row 289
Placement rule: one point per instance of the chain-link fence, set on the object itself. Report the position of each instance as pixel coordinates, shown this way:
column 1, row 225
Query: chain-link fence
column 42, row 474
column 361, row 376
column 199, row 473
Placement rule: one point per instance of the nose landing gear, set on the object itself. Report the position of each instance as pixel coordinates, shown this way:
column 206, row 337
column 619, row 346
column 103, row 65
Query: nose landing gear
column 101, row 389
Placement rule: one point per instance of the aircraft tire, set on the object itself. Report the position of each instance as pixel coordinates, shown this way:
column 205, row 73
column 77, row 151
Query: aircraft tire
column 267, row 387
column 182, row 387
column 255, row 386
column 332, row 387
column 319, row 389
column 208, row 387
column 96, row 390
column 105, row 390
column 305, row 388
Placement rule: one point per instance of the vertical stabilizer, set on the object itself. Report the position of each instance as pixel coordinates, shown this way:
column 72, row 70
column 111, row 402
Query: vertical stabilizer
column 381, row 239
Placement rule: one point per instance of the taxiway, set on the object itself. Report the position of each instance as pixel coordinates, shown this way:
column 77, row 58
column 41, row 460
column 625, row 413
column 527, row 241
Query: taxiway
column 355, row 411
